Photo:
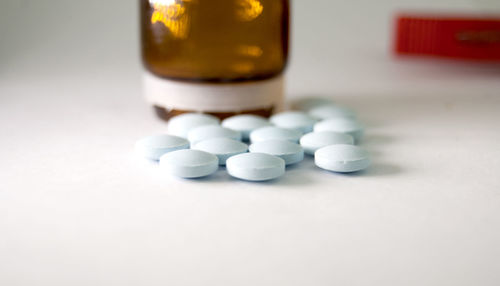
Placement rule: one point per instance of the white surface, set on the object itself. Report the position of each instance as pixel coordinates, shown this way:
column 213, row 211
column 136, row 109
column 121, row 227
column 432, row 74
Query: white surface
column 78, row 208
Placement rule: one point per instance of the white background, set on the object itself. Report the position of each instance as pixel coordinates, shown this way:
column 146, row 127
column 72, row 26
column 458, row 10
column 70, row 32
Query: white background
column 77, row 207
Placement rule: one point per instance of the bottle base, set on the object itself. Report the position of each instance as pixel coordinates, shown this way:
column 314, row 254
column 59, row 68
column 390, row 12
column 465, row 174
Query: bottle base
column 170, row 97
column 166, row 114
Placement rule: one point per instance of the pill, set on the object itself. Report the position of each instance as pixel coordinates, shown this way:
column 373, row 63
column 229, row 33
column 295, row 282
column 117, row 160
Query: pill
column 315, row 140
column 331, row 111
column 296, row 120
column 342, row 158
column 310, row 102
column 180, row 125
column 153, row 147
column 290, row 152
column 189, row 163
column 341, row 125
column 275, row 133
column 212, row 131
column 255, row 167
column 223, row 148
column 245, row 123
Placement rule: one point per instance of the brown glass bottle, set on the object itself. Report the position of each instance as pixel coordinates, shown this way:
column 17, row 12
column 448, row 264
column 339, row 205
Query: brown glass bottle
column 233, row 50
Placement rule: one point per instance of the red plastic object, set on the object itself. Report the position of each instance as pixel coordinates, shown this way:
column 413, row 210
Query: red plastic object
column 453, row 37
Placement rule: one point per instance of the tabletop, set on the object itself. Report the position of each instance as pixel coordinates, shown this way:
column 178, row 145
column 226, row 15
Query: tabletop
column 78, row 207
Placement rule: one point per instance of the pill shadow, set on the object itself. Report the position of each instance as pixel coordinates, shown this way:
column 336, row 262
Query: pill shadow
column 298, row 174
column 377, row 170
column 287, row 180
column 220, row 175
column 377, row 140
column 375, row 143
column 298, row 179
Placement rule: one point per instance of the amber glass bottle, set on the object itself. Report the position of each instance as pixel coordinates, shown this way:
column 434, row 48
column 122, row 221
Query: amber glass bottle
column 222, row 57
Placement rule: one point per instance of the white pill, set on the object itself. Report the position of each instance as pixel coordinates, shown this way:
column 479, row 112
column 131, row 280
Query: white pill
column 212, row 131
column 315, row 140
column 290, row 152
column 245, row 123
column 255, row 167
column 342, row 158
column 331, row 111
column 341, row 125
column 223, row 148
column 153, row 147
column 180, row 125
column 296, row 120
column 189, row 163
column 275, row 133
column 308, row 103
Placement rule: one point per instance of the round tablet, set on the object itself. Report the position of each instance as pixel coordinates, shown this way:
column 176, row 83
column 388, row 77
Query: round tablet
column 275, row 133
column 189, row 163
column 296, row 120
column 245, row 123
column 153, row 147
column 180, row 125
column 341, row 125
column 342, row 158
column 315, row 140
column 255, row 167
column 290, row 152
column 212, row 131
column 223, row 148
column 307, row 103
column 331, row 111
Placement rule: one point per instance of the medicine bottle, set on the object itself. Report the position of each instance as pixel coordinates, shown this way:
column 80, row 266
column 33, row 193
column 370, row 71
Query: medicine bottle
column 222, row 57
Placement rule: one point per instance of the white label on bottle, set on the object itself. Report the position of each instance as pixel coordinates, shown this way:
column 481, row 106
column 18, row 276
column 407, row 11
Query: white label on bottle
column 207, row 97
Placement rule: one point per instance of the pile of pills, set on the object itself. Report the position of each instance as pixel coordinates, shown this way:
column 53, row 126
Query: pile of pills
column 197, row 144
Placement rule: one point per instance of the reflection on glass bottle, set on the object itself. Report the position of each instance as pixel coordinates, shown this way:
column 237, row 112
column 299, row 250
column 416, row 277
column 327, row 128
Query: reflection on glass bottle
column 248, row 10
column 172, row 15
